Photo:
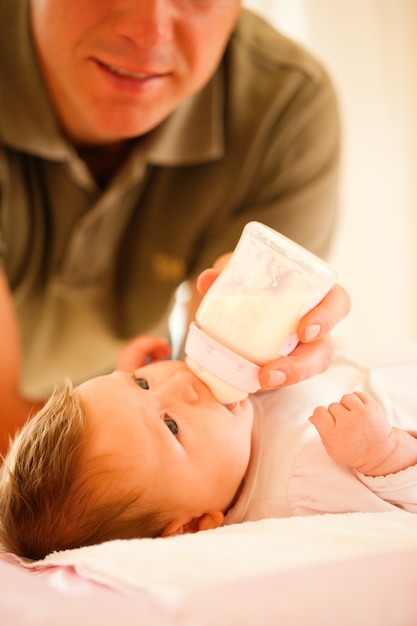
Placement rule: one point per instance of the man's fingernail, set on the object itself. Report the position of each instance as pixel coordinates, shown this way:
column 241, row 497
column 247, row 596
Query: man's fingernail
column 312, row 332
column 276, row 378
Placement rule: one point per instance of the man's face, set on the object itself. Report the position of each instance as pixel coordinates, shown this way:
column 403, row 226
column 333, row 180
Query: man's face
column 116, row 68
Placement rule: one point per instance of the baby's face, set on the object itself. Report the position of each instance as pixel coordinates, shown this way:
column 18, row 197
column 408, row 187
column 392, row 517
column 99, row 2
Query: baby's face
column 165, row 432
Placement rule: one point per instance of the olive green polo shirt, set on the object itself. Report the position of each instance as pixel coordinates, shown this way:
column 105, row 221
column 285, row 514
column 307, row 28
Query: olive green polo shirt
column 91, row 268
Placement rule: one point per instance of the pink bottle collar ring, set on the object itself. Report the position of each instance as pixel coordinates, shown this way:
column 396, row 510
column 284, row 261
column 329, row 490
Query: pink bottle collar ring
column 220, row 361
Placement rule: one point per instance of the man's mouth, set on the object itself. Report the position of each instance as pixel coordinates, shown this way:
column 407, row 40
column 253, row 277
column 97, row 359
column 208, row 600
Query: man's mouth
column 127, row 73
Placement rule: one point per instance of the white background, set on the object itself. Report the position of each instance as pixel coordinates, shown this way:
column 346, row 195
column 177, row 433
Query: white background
column 370, row 49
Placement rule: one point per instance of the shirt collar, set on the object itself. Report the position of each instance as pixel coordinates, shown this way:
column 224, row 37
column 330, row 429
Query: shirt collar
column 192, row 133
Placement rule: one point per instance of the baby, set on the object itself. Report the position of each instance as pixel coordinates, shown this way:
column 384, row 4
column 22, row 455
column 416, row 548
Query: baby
column 150, row 452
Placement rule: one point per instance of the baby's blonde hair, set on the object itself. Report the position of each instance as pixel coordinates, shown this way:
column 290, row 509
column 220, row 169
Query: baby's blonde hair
column 51, row 498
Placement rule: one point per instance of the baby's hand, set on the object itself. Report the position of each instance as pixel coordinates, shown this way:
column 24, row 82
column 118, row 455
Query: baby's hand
column 356, row 432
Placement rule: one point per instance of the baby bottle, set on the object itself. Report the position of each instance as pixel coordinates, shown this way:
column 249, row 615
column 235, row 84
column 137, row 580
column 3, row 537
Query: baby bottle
column 250, row 314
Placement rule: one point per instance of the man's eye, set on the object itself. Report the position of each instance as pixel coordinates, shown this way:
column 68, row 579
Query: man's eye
column 142, row 382
column 172, row 425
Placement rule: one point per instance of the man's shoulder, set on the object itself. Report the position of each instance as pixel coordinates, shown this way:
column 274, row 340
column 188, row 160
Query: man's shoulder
column 258, row 43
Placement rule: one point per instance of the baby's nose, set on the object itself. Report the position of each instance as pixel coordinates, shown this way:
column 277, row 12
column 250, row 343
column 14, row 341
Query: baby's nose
column 182, row 386
column 190, row 394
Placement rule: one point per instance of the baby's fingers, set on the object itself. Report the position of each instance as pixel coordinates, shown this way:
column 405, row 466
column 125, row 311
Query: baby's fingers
column 326, row 419
column 322, row 420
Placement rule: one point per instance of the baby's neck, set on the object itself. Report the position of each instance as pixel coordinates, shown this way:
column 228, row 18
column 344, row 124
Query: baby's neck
column 248, row 478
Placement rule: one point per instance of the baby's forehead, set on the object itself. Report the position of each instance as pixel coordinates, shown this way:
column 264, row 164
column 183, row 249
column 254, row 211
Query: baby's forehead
column 162, row 370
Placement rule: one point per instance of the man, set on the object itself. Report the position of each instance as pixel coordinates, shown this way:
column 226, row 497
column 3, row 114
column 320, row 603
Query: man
column 137, row 137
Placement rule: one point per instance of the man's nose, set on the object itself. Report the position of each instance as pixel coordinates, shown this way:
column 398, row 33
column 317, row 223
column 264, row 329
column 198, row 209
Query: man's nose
column 147, row 22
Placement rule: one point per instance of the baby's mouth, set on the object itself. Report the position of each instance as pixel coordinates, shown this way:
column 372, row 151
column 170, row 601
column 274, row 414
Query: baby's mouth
column 231, row 406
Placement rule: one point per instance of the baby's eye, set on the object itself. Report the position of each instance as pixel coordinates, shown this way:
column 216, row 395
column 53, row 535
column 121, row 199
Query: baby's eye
column 142, row 382
column 172, row 425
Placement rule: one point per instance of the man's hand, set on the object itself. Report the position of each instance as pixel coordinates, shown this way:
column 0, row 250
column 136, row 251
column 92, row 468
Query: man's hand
column 314, row 352
column 142, row 350
column 14, row 408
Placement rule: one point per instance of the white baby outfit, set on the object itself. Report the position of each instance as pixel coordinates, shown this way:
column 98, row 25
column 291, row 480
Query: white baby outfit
column 290, row 472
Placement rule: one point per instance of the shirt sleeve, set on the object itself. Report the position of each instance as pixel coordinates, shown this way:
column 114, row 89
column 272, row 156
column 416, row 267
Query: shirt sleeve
column 289, row 177
column 399, row 489
column 318, row 484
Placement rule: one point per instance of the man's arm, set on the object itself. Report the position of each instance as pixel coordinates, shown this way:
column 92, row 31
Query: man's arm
column 14, row 409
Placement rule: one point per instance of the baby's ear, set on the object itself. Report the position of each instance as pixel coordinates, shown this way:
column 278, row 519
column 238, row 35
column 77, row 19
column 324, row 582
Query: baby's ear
column 176, row 527
column 214, row 519
column 180, row 526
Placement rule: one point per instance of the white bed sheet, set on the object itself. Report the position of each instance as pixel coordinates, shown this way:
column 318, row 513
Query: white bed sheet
column 350, row 570
column 237, row 552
